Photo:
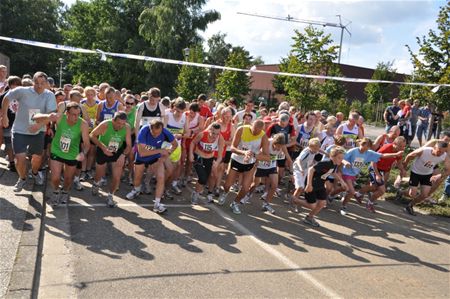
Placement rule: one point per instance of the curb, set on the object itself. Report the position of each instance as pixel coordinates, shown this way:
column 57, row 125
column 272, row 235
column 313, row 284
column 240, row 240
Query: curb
column 25, row 275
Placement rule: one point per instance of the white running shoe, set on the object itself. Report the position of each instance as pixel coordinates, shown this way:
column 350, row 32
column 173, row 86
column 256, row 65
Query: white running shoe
column 110, row 201
column 235, row 208
column 133, row 194
column 19, row 185
column 210, row 198
column 159, row 208
column 266, row 207
column 77, row 184
column 38, row 178
column 194, row 198
column 222, row 198
column 246, row 200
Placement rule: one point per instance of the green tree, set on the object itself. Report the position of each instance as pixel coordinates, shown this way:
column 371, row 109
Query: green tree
column 33, row 20
column 109, row 25
column 311, row 53
column 169, row 26
column 232, row 83
column 431, row 62
column 377, row 91
column 218, row 52
column 192, row 80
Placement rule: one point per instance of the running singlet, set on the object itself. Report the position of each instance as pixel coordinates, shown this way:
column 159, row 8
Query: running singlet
column 424, row 164
column 350, row 135
column 92, row 112
column 205, row 146
column 194, row 123
column 304, row 160
column 112, row 139
column 149, row 115
column 325, row 140
column 66, row 143
column 174, row 126
column 131, row 116
column 303, row 136
column 108, row 113
column 248, row 142
column 273, row 158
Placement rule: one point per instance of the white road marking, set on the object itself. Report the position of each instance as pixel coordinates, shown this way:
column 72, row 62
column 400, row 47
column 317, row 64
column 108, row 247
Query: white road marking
column 91, row 205
column 278, row 255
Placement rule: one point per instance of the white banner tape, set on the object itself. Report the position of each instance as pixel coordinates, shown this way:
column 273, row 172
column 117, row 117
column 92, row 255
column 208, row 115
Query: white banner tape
column 209, row 66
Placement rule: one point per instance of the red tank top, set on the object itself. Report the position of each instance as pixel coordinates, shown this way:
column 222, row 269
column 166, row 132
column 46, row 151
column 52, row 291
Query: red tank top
column 207, row 146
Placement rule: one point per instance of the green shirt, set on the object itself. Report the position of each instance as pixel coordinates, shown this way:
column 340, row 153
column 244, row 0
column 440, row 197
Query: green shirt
column 131, row 117
column 113, row 139
column 66, row 143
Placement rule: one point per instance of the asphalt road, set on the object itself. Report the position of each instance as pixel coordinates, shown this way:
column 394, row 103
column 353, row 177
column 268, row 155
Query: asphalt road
column 92, row 251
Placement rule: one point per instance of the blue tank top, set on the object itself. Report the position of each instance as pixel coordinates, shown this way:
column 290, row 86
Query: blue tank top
column 108, row 113
column 303, row 136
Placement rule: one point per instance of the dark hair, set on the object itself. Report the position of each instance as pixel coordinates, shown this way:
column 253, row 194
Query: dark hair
column 165, row 101
column 232, row 101
column 272, row 110
column 246, row 115
column 202, row 97
column 215, row 125
column 194, row 107
column 179, row 104
column 120, row 115
column 14, row 80
column 72, row 105
column 445, row 133
column 154, row 92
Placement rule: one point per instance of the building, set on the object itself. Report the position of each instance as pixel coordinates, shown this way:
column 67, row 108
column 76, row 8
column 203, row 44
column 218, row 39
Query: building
column 262, row 86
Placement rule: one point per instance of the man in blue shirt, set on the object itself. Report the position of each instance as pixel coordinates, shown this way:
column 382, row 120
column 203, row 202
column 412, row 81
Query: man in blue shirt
column 27, row 135
column 390, row 113
column 422, row 124
column 154, row 144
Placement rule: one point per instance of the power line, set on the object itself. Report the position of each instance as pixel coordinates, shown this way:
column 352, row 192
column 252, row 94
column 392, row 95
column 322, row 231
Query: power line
column 311, row 22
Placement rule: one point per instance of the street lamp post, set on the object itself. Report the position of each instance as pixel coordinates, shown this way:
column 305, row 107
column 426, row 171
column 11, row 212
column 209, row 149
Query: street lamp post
column 61, row 61
column 186, row 52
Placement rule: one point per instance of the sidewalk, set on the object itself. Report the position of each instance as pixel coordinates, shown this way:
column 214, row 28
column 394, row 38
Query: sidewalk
column 20, row 230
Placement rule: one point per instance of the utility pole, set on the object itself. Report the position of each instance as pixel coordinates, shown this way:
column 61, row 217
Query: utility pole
column 310, row 22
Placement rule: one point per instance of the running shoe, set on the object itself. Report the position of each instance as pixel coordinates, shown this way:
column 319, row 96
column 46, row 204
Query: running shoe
column 83, row 176
column 370, row 206
column 260, row 189
column 343, row 210
column 210, row 198
column 359, row 197
column 77, row 184
column 194, row 198
column 168, row 195
column 235, row 208
column 130, row 181
column 133, row 194
column 103, row 181
column 19, row 185
column 311, row 221
column 95, row 189
column 246, row 200
column 12, row 167
column 159, row 208
column 235, row 188
column 65, row 197
column 222, row 199
column 110, row 201
column 264, row 196
column 176, row 189
column 216, row 192
column 54, row 200
column 399, row 194
column 266, row 207
column 89, row 175
column 38, row 178
column 410, row 210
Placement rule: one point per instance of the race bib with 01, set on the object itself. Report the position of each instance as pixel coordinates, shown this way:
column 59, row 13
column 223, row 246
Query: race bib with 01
column 108, row 116
column 64, row 144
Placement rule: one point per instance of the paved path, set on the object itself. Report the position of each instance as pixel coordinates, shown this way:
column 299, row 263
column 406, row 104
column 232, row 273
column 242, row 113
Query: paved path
column 92, row 251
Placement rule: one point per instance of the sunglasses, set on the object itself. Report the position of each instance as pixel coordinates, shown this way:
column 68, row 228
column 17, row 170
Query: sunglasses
column 128, row 103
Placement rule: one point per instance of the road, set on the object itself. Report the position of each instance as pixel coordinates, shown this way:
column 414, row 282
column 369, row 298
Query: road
column 205, row 251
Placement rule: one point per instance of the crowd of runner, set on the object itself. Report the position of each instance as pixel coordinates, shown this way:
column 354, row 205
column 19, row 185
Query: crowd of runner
column 101, row 136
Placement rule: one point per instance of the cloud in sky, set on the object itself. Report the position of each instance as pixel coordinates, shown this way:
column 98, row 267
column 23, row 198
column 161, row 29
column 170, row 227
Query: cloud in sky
column 379, row 29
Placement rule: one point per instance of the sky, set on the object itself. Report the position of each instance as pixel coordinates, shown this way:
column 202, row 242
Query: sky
column 379, row 29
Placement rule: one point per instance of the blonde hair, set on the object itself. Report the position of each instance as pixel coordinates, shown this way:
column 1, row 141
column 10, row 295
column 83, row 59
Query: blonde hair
column 314, row 142
column 337, row 150
column 89, row 88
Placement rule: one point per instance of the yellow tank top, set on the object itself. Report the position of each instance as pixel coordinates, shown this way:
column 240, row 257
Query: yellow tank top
column 248, row 142
column 92, row 112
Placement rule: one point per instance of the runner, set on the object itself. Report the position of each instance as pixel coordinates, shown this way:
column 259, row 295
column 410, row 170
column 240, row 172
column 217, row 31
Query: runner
column 239, row 116
column 13, row 82
column 149, row 109
column 358, row 157
column 425, row 159
column 151, row 154
column 268, row 170
column 108, row 107
column 113, row 140
column 65, row 154
column 306, row 131
column 350, row 130
column 250, row 144
column 379, row 172
column 315, row 191
column 27, row 135
column 201, row 154
column 195, row 124
column 90, row 104
column 387, row 138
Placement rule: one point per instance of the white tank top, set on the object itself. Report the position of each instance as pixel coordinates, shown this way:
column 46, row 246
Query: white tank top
column 424, row 164
column 274, row 154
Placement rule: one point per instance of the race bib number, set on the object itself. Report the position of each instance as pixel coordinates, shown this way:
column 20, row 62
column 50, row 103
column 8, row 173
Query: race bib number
column 113, row 145
column 31, row 113
column 108, row 116
column 280, row 156
column 166, row 145
column 358, row 163
column 92, row 123
column 208, row 147
column 64, row 144
column 304, row 142
column 266, row 164
column 429, row 164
